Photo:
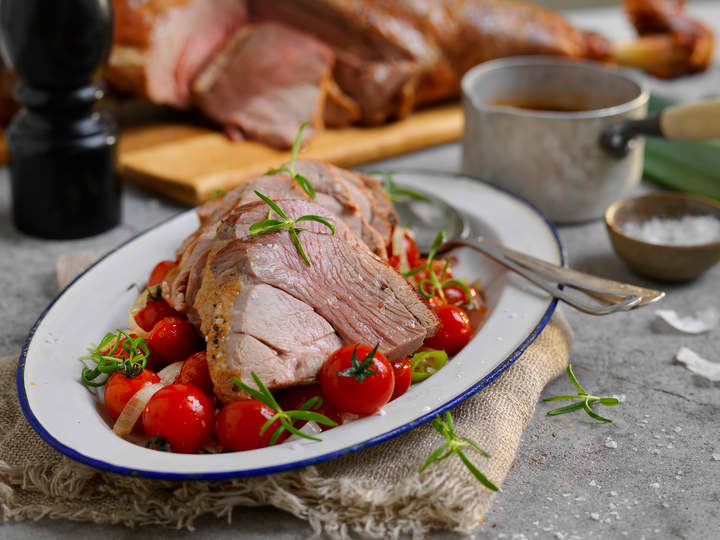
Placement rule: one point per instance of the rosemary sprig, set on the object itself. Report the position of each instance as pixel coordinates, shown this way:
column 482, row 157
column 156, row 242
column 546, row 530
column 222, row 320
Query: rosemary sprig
column 398, row 193
column 303, row 182
column 434, row 284
column 454, row 445
column 360, row 369
column 587, row 400
column 283, row 222
column 116, row 352
column 286, row 418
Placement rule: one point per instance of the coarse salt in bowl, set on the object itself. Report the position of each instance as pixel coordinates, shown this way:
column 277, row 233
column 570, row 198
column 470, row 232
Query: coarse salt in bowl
column 666, row 236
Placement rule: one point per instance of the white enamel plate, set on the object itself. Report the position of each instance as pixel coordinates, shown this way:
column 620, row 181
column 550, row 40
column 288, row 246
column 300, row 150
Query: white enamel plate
column 72, row 419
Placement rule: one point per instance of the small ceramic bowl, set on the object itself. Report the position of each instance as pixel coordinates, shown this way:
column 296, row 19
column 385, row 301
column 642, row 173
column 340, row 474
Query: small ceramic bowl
column 665, row 262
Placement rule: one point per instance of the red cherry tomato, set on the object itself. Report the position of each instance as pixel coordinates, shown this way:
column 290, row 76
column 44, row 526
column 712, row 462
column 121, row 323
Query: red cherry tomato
column 154, row 310
column 238, row 425
column 181, row 414
column 119, row 389
column 195, row 371
column 411, row 252
column 160, row 271
column 402, row 369
column 294, row 398
column 360, row 392
column 172, row 339
column 455, row 329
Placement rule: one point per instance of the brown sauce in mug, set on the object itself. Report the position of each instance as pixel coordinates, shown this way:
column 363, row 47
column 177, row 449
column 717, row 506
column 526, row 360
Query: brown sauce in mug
column 540, row 105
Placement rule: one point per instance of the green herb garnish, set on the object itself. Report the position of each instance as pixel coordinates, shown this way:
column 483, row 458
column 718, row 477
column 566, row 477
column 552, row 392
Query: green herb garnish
column 434, row 285
column 397, row 193
column 454, row 445
column 283, row 222
column 427, row 363
column 218, row 193
column 303, row 182
column 286, row 418
column 116, row 352
column 360, row 369
column 586, row 402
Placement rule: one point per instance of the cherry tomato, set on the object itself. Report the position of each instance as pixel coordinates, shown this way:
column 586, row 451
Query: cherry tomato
column 411, row 252
column 120, row 352
column 402, row 369
column 359, row 392
column 154, row 310
column 181, row 414
column 119, row 389
column 195, row 371
column 172, row 339
column 454, row 332
column 160, row 271
column 294, row 398
column 238, row 425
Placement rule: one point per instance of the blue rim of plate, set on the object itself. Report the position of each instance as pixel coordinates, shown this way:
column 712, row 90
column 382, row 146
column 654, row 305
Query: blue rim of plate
column 227, row 475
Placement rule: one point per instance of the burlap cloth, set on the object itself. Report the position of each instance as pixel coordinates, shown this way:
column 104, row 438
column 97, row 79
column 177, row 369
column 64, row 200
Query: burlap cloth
column 376, row 492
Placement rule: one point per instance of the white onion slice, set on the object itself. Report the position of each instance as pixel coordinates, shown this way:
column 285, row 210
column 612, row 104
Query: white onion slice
column 134, row 408
column 310, row 428
column 349, row 417
column 137, row 307
column 168, row 374
column 398, row 247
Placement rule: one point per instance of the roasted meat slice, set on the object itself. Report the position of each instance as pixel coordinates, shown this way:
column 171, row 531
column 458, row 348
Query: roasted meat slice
column 178, row 287
column 266, row 82
column 359, row 296
column 365, row 210
column 183, row 40
column 373, row 68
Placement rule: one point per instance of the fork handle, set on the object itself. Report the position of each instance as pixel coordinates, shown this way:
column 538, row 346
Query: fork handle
column 612, row 295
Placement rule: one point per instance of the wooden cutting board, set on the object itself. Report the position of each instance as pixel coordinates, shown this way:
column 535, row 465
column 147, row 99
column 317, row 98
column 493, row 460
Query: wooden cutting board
column 190, row 163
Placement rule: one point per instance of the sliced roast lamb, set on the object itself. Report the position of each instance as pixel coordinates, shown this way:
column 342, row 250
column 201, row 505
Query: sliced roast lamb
column 183, row 41
column 266, row 82
column 365, row 210
column 264, row 310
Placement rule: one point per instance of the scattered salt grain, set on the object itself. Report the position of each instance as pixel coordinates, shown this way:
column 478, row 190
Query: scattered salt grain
column 655, row 485
column 609, row 443
column 716, row 457
column 595, row 516
column 593, row 483
column 703, row 321
column 677, row 429
column 687, row 230
column 613, row 493
column 706, row 370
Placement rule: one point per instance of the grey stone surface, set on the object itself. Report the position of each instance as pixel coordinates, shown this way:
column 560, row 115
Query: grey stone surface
column 660, row 481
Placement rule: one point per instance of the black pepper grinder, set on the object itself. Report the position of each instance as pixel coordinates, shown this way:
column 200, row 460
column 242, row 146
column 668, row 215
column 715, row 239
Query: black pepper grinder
column 62, row 152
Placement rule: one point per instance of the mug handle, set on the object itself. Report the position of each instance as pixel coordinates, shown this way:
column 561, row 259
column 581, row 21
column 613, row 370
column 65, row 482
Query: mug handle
column 693, row 121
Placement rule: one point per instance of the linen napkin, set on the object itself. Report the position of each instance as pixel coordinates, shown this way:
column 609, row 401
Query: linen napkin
column 376, row 492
